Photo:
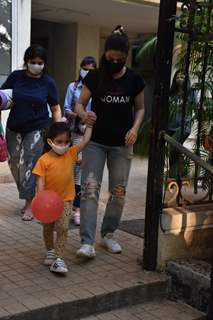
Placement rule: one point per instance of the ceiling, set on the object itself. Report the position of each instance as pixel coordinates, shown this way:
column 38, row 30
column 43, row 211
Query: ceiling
column 136, row 15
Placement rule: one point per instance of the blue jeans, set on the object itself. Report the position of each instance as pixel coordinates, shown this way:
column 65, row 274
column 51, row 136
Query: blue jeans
column 118, row 163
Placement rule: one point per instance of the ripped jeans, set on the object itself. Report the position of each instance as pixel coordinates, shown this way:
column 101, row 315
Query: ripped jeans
column 118, row 163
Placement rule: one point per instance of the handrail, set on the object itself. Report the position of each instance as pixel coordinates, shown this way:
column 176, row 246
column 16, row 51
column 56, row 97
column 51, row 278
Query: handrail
column 187, row 152
column 207, row 167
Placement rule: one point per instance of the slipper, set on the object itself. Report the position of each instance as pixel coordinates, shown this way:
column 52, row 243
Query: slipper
column 28, row 215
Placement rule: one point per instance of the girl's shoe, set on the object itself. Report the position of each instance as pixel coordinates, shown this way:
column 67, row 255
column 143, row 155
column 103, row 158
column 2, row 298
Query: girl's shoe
column 77, row 218
column 50, row 257
column 59, row 266
column 28, row 215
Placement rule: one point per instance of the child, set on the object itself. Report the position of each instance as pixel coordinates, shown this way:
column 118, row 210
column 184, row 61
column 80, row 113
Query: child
column 53, row 173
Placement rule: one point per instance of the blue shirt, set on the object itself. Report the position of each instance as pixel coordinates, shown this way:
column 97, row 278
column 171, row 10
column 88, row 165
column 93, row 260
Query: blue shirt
column 72, row 96
column 30, row 99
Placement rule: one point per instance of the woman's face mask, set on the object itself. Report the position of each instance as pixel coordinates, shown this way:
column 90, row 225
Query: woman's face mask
column 83, row 73
column 60, row 150
column 35, row 69
column 114, row 67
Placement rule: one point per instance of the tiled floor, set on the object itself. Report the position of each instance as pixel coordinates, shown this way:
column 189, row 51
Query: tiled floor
column 27, row 285
column 151, row 311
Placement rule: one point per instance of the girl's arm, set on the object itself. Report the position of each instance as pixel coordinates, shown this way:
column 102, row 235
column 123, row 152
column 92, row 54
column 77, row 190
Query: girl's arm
column 86, row 139
column 87, row 117
column 39, row 183
column 56, row 112
column 132, row 134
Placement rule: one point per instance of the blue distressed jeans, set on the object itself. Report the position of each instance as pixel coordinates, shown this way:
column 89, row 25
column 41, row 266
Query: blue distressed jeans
column 24, row 149
column 118, row 161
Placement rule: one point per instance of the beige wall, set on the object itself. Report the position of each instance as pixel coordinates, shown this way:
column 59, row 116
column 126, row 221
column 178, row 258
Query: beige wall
column 88, row 43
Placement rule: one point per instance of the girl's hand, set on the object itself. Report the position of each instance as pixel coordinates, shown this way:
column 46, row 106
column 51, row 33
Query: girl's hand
column 89, row 118
column 131, row 137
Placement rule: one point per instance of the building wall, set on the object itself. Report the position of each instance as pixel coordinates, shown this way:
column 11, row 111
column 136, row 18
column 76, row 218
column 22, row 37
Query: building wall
column 88, row 43
column 60, row 42
column 64, row 57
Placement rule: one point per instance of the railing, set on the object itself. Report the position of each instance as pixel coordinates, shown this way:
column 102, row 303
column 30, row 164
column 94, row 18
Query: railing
column 193, row 21
column 207, row 167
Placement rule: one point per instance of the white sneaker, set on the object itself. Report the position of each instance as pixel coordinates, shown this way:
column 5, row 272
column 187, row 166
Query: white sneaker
column 59, row 266
column 50, row 257
column 86, row 251
column 110, row 244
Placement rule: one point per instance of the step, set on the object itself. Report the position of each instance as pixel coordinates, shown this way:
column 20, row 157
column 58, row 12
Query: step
column 95, row 297
column 191, row 281
column 155, row 310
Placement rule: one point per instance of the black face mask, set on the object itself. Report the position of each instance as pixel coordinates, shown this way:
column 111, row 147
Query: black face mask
column 113, row 67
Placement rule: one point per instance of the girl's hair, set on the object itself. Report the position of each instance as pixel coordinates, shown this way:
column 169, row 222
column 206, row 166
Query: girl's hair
column 117, row 40
column 54, row 130
column 35, row 51
column 88, row 60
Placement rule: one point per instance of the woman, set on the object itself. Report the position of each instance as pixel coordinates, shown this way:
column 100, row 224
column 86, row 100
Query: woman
column 175, row 118
column 72, row 95
column 33, row 91
column 117, row 112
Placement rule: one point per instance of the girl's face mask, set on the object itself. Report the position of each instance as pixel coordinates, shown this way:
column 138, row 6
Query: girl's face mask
column 60, row 150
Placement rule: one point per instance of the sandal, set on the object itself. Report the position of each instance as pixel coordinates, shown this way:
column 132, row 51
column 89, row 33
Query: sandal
column 28, row 215
column 23, row 210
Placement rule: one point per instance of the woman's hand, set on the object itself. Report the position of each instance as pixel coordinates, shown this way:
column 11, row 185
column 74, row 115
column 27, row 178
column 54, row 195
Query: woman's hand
column 88, row 118
column 70, row 115
column 131, row 136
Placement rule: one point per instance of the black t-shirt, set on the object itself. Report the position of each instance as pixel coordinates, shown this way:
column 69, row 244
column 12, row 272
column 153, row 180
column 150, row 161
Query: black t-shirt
column 114, row 109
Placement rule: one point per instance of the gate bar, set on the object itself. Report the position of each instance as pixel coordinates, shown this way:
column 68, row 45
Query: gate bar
column 166, row 28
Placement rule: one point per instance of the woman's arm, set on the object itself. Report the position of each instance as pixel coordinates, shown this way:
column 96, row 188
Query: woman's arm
column 132, row 134
column 56, row 113
column 39, row 183
column 87, row 117
column 69, row 113
column 86, row 139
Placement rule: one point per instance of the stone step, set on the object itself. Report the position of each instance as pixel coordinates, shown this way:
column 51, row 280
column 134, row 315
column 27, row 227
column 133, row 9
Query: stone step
column 109, row 295
column 156, row 310
column 191, row 281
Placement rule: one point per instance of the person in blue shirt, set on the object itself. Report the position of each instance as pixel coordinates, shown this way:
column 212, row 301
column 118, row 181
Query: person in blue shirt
column 72, row 96
column 33, row 90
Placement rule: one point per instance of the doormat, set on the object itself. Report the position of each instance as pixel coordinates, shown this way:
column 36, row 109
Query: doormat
column 135, row 227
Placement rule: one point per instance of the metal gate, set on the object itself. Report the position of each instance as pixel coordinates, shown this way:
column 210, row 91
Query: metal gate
column 187, row 24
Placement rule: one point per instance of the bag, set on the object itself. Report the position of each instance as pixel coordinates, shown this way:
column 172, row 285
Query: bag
column 3, row 146
column 6, row 99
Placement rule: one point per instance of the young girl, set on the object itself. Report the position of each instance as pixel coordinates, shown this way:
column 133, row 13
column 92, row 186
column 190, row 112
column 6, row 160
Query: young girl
column 53, row 173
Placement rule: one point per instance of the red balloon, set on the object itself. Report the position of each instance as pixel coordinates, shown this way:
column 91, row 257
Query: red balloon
column 47, row 206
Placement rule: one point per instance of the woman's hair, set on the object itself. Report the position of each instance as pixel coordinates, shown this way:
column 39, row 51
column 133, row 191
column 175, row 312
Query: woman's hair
column 54, row 130
column 88, row 60
column 179, row 74
column 118, row 41
column 35, row 51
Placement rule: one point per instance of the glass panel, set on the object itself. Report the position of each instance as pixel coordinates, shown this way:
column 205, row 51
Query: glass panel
column 5, row 38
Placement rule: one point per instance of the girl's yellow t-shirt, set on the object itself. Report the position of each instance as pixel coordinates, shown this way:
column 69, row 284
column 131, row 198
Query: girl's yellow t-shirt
column 58, row 171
